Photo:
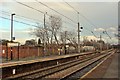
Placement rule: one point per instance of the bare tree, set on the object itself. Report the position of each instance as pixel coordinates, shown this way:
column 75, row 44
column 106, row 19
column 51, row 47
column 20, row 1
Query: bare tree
column 47, row 33
column 72, row 37
column 30, row 42
column 85, row 40
column 42, row 33
column 39, row 32
column 63, row 37
column 50, row 31
column 68, row 36
column 55, row 26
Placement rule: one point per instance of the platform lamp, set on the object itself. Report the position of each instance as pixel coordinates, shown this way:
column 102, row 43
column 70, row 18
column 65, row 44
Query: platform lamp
column 12, row 38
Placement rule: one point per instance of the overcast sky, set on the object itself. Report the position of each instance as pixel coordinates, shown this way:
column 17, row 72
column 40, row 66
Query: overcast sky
column 94, row 16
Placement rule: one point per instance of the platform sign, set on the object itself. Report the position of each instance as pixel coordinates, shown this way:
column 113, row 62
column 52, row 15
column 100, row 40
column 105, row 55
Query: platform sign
column 14, row 71
column 3, row 51
column 12, row 44
column 67, row 46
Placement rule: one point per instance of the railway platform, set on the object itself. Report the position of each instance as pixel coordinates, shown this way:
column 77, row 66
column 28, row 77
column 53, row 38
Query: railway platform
column 112, row 71
column 20, row 67
column 105, row 70
column 42, row 59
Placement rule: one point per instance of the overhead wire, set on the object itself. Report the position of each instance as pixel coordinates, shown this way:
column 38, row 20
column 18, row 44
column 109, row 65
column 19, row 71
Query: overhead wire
column 93, row 25
column 20, row 16
column 47, row 7
column 80, row 14
column 55, row 11
column 41, row 11
column 38, row 10
column 7, row 13
column 29, row 6
column 105, row 32
column 18, row 21
column 70, row 6
column 59, row 12
column 94, row 34
column 76, row 11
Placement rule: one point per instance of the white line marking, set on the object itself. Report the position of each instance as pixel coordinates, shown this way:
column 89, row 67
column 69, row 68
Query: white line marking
column 95, row 66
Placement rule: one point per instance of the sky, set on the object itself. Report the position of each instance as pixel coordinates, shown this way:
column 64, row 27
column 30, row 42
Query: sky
column 94, row 16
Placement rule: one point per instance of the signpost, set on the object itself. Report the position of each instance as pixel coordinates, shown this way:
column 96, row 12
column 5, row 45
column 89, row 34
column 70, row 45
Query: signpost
column 12, row 44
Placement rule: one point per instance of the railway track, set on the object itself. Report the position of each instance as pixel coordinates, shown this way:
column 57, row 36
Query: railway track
column 60, row 71
column 81, row 73
column 61, row 75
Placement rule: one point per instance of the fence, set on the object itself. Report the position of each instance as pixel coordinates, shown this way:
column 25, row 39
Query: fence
column 27, row 51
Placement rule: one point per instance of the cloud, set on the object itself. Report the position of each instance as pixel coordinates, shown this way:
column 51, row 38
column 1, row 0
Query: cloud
column 59, row 6
column 114, row 40
column 20, row 35
column 102, row 16
column 99, row 29
column 112, row 29
column 4, row 31
column 114, row 32
column 91, row 38
column 24, row 31
column 22, row 40
column 16, row 31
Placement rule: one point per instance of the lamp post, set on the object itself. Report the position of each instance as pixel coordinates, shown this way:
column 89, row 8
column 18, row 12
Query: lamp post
column 78, row 38
column 12, row 38
column 79, row 33
column 65, row 42
column 44, row 43
column 100, row 42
